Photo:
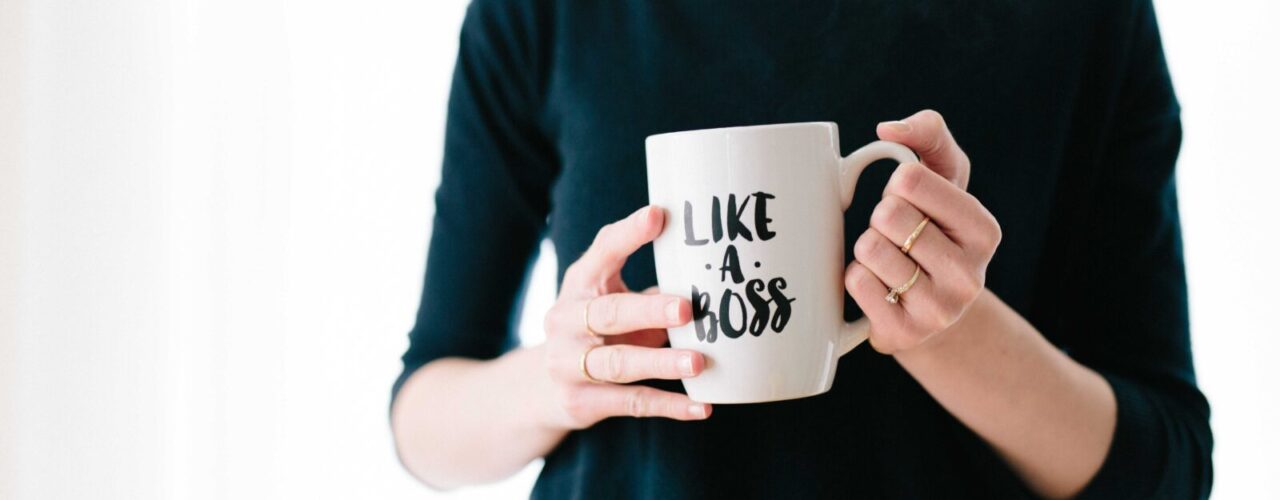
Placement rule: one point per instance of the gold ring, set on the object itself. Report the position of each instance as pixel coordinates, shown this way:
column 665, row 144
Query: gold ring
column 915, row 233
column 893, row 295
column 586, row 319
column 582, row 365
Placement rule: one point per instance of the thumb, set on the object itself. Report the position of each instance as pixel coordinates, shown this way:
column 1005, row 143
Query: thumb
column 927, row 134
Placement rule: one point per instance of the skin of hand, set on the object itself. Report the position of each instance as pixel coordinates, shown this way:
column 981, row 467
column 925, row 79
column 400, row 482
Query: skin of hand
column 459, row 421
column 1051, row 418
column 630, row 333
column 952, row 251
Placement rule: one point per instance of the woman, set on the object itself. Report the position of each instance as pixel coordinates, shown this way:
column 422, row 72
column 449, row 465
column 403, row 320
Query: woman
column 1057, row 366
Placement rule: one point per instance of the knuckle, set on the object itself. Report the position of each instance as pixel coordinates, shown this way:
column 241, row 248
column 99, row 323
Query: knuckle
column 936, row 130
column 573, row 402
column 868, row 247
column 603, row 245
column 570, row 399
column 660, row 365
column 608, row 310
column 853, row 278
column 988, row 232
column 933, row 117
column 571, row 272
column 988, row 242
column 657, row 310
column 963, row 159
column 551, row 320
column 936, row 126
column 907, row 179
column 604, row 234
column 617, row 364
column 994, row 233
column 971, row 285
column 574, row 275
column 637, row 403
column 560, row 365
column 886, row 212
column 666, row 407
column 641, row 221
column 879, row 343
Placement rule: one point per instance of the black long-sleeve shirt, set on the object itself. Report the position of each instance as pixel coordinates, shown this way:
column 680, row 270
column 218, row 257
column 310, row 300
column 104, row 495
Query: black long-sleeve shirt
column 1065, row 108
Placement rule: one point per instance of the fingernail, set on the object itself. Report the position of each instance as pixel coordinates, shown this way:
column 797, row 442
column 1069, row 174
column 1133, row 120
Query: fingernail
column 686, row 364
column 643, row 212
column 698, row 410
column 673, row 311
column 900, row 127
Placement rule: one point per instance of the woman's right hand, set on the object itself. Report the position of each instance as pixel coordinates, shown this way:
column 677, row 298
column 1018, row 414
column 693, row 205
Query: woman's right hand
column 630, row 332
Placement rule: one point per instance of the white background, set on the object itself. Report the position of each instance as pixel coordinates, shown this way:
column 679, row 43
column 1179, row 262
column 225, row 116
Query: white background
column 214, row 215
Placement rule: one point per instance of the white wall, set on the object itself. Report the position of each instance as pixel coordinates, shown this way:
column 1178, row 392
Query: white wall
column 213, row 216
column 1225, row 60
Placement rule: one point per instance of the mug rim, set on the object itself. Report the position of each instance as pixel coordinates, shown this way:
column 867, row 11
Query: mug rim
column 735, row 128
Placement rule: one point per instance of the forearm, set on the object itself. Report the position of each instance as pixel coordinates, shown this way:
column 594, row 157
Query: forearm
column 1051, row 418
column 461, row 421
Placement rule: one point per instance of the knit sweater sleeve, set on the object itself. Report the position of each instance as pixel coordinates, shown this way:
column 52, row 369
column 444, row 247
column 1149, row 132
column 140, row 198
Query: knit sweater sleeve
column 494, row 194
column 1127, row 284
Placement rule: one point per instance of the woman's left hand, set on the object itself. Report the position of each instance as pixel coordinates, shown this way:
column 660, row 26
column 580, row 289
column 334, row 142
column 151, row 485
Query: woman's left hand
column 952, row 251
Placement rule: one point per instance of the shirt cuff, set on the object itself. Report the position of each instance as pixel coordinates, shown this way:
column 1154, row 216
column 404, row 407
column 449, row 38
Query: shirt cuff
column 1135, row 463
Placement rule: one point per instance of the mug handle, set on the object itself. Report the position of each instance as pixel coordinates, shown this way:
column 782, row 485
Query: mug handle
column 854, row 333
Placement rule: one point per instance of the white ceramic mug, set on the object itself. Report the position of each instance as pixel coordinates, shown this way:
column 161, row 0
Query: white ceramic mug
column 755, row 237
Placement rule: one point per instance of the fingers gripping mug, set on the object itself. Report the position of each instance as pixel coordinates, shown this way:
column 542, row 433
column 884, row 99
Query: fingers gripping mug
column 755, row 237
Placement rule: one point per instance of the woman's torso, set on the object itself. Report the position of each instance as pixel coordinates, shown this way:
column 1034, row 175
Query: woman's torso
column 1011, row 79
